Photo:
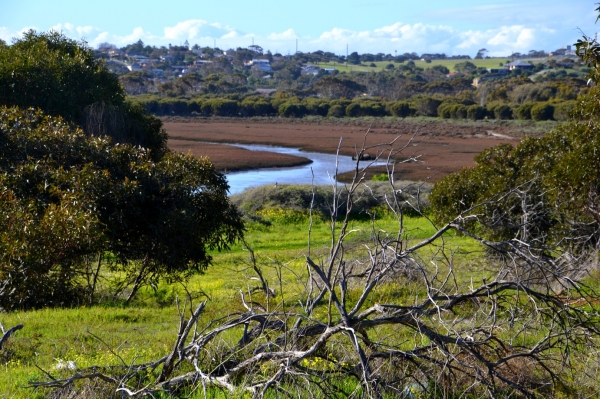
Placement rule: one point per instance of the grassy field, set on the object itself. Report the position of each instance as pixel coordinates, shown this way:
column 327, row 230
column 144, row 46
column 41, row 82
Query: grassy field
column 364, row 67
column 112, row 334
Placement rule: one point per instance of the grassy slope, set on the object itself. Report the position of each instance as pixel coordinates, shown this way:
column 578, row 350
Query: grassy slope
column 146, row 330
column 485, row 63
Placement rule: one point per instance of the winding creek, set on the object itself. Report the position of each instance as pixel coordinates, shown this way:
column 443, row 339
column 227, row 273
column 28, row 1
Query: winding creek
column 320, row 171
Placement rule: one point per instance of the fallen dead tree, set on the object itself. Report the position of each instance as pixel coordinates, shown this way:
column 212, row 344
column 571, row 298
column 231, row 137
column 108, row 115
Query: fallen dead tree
column 403, row 316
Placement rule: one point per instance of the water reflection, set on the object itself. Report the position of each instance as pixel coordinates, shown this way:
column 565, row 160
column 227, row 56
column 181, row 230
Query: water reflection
column 320, row 171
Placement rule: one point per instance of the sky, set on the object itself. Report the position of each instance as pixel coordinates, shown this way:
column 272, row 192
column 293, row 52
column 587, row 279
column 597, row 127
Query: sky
column 366, row 26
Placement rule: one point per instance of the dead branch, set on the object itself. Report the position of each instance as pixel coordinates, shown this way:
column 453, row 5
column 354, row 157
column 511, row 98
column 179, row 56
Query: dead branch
column 403, row 314
column 6, row 334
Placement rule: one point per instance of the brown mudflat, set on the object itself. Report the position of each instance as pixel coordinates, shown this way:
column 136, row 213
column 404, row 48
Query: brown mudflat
column 440, row 147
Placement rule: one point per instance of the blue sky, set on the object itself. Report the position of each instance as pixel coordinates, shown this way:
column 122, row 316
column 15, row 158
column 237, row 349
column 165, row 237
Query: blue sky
column 432, row 26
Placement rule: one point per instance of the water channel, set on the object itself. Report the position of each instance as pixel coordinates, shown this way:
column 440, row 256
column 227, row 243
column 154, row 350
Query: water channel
column 320, row 171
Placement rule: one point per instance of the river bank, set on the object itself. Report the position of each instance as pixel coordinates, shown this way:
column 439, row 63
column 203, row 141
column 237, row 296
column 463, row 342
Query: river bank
column 440, row 147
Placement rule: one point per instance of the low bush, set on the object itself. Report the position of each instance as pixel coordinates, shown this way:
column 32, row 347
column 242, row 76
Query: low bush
column 524, row 111
column 291, row 110
column 400, row 109
column 476, row 112
column 542, row 112
column 503, row 112
column 336, row 111
column 353, row 110
column 253, row 202
column 563, row 110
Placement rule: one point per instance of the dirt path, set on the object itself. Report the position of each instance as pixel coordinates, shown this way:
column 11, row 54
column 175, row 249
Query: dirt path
column 442, row 147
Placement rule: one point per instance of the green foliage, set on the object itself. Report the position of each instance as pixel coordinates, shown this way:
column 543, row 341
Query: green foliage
column 337, row 111
column 524, row 111
column 465, row 66
column 563, row 110
column 353, row 110
column 292, row 110
column 220, row 107
column 57, row 74
column 553, row 182
column 400, row 109
column 427, row 106
column 301, row 197
column 476, row 112
column 381, row 177
column 62, row 77
column 542, row 112
column 66, row 198
column 503, row 112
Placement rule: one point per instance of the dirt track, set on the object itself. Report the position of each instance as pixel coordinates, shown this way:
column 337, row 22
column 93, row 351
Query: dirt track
column 442, row 147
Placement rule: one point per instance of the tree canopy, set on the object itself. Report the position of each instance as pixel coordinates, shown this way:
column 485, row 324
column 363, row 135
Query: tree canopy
column 61, row 76
column 70, row 194
column 66, row 197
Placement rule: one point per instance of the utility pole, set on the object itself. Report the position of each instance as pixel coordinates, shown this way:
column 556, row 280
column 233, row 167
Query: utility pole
column 296, row 46
column 346, row 56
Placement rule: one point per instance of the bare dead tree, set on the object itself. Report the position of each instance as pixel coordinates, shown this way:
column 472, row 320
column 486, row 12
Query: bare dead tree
column 401, row 315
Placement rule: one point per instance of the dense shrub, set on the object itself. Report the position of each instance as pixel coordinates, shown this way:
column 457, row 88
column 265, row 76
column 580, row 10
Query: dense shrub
column 524, row 111
column 292, row 110
column 258, row 200
column 317, row 107
column 337, row 111
column 428, row 106
column 371, row 109
column 502, row 112
column 445, row 110
column 563, row 110
column 400, row 109
column 223, row 107
column 172, row 106
column 476, row 112
column 353, row 110
column 459, row 111
column 195, row 106
column 263, row 108
column 66, row 197
column 542, row 112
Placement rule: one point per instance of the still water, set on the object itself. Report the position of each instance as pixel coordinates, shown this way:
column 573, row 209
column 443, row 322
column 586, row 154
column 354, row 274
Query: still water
column 320, row 171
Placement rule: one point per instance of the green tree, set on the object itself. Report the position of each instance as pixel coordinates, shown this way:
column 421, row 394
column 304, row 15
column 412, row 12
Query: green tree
column 337, row 87
column 354, row 58
column 66, row 198
column 465, row 66
column 545, row 189
column 62, row 77
column 57, row 74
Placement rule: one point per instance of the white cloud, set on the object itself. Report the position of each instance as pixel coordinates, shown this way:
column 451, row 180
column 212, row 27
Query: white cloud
column 8, row 35
column 289, row 34
column 195, row 29
column 399, row 37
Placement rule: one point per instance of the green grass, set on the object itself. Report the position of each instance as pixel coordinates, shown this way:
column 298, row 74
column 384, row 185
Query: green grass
column 145, row 330
column 364, row 67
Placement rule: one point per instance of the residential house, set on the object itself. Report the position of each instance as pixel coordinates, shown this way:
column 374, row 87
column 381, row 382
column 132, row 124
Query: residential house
column 134, row 67
column 262, row 65
column 167, row 58
column 511, row 66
